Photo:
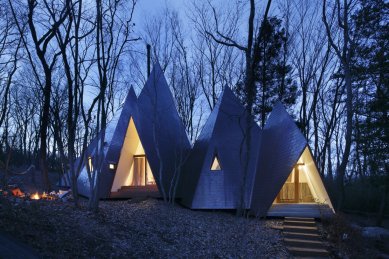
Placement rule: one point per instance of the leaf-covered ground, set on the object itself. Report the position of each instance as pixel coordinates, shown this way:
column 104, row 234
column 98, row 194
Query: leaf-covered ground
column 148, row 228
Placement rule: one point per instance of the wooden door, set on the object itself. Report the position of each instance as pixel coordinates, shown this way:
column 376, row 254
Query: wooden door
column 139, row 178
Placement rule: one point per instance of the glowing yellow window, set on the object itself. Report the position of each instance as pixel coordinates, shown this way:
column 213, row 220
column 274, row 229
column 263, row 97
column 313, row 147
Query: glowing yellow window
column 215, row 164
column 90, row 164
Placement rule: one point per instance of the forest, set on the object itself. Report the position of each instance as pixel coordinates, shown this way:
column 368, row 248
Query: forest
column 67, row 65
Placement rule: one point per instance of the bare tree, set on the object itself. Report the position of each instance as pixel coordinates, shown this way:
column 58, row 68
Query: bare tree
column 248, row 49
column 10, row 45
column 158, row 32
column 112, row 38
column 310, row 56
column 69, row 38
column 42, row 37
column 216, row 65
column 344, row 53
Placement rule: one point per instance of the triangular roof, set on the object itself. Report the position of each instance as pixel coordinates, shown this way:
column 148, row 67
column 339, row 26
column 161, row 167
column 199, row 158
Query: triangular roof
column 161, row 129
column 222, row 135
column 114, row 137
column 282, row 146
column 273, row 151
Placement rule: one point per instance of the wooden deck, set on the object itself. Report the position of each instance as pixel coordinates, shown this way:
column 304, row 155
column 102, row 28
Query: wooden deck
column 312, row 210
column 136, row 192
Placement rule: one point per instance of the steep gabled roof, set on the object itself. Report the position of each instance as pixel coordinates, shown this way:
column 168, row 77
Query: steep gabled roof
column 282, row 145
column 160, row 128
column 114, row 136
column 222, row 135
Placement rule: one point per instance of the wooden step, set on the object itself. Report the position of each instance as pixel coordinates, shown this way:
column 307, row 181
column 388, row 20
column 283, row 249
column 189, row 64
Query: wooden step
column 136, row 188
column 136, row 192
column 311, row 252
column 300, row 219
column 307, row 243
column 300, row 223
column 297, row 235
column 300, row 229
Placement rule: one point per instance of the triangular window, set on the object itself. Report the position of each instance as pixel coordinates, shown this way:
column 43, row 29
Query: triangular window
column 215, row 164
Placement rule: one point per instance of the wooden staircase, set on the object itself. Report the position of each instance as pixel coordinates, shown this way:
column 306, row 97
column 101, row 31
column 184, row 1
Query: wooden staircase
column 302, row 238
column 136, row 192
column 309, row 210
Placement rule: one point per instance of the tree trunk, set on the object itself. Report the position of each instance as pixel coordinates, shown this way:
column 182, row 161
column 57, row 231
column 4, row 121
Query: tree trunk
column 384, row 199
column 341, row 170
column 43, row 132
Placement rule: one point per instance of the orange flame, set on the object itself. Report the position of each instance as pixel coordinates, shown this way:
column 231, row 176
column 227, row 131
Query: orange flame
column 35, row 196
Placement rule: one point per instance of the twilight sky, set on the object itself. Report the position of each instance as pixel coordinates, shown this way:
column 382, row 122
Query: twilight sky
column 154, row 7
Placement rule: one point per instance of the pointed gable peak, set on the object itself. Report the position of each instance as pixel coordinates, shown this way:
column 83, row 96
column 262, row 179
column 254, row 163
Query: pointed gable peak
column 156, row 67
column 278, row 114
column 131, row 96
column 279, row 103
column 156, row 82
column 156, row 72
column 227, row 104
column 130, row 99
column 227, row 97
column 132, row 91
column 280, row 118
column 227, row 94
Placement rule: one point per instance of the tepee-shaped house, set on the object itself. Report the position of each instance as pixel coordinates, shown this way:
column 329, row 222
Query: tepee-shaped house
column 114, row 140
column 286, row 171
column 162, row 132
column 145, row 145
column 215, row 170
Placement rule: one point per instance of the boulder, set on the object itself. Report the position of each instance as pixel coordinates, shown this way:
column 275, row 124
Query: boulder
column 375, row 232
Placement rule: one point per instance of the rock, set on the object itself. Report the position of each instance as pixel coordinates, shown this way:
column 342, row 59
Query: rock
column 62, row 194
column 375, row 232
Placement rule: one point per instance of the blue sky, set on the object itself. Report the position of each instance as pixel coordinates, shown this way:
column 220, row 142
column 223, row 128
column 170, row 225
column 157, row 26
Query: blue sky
column 154, row 7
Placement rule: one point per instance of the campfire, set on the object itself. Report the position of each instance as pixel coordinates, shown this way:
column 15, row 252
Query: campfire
column 45, row 196
column 18, row 193
column 35, row 196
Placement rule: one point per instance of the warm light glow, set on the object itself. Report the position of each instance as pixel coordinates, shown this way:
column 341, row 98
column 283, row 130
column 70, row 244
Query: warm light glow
column 215, row 165
column 35, row 196
column 90, row 164
column 310, row 186
column 112, row 166
column 17, row 192
column 132, row 168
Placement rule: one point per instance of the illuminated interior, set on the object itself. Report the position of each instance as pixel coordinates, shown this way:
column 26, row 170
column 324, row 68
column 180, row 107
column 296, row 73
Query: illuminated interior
column 215, row 164
column 304, row 184
column 296, row 188
column 132, row 168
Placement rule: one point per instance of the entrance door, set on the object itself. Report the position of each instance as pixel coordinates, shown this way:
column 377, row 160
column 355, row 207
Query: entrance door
column 139, row 170
column 288, row 192
column 295, row 189
column 142, row 175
